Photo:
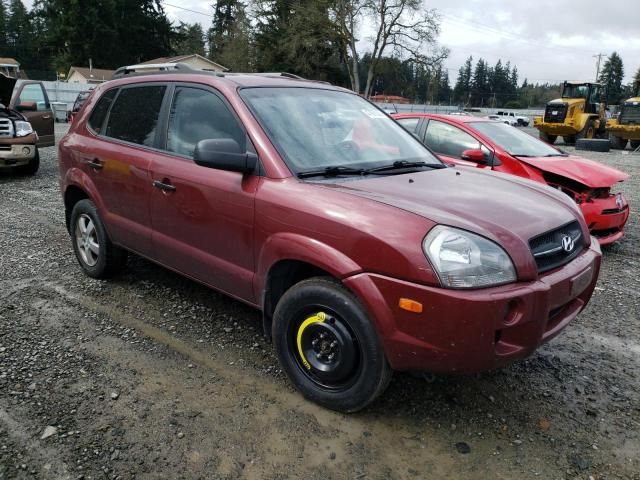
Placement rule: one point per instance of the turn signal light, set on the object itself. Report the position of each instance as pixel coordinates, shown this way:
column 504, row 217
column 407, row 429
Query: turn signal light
column 410, row 305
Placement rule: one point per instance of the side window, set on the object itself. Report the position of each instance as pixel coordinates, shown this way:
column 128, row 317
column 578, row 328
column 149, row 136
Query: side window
column 96, row 120
column 134, row 115
column 196, row 115
column 34, row 92
column 410, row 124
column 449, row 140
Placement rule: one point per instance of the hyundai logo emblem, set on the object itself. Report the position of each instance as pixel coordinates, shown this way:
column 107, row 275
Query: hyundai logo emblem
column 567, row 243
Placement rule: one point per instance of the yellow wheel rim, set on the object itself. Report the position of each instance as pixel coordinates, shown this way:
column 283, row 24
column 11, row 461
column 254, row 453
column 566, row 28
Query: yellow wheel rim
column 317, row 318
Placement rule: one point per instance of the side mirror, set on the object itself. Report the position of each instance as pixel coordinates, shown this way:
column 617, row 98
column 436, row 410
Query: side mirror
column 474, row 155
column 27, row 107
column 224, row 154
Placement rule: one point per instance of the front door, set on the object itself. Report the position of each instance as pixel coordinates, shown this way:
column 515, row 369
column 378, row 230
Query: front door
column 449, row 142
column 41, row 118
column 202, row 217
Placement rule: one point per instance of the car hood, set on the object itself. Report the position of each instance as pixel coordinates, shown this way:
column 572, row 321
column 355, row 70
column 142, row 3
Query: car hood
column 587, row 172
column 7, row 85
column 505, row 208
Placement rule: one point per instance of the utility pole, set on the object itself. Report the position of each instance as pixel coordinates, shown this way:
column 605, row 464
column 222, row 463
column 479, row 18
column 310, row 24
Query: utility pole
column 599, row 57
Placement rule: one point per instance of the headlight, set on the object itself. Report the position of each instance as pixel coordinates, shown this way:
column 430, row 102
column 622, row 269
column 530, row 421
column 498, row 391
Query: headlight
column 23, row 129
column 465, row 260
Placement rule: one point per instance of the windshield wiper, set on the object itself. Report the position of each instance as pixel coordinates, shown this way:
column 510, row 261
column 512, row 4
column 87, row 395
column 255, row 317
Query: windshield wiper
column 402, row 164
column 336, row 170
column 332, row 172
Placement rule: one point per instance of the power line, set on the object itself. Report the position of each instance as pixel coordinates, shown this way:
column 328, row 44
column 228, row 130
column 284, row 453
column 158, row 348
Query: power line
column 188, row 10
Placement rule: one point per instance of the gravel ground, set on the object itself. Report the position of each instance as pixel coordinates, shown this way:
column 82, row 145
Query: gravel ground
column 153, row 376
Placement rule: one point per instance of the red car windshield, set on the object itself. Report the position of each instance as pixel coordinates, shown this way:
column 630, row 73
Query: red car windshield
column 514, row 141
column 315, row 128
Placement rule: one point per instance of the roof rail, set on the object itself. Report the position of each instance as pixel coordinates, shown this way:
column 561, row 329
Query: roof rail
column 147, row 68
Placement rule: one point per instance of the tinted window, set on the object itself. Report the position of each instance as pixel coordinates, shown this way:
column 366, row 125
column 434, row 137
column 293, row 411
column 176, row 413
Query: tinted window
column 449, row 140
column 100, row 111
column 409, row 123
column 200, row 115
column 134, row 115
column 34, row 93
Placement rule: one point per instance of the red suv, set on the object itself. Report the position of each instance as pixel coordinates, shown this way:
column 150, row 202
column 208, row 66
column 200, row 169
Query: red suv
column 481, row 143
column 365, row 253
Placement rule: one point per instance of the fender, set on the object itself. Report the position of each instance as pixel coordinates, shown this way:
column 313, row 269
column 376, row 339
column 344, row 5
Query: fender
column 78, row 178
column 292, row 246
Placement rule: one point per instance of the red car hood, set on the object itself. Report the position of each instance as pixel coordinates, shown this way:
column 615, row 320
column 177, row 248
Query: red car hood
column 502, row 207
column 589, row 173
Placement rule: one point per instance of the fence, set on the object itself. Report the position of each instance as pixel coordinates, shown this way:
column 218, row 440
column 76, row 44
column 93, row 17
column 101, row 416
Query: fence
column 444, row 109
column 64, row 92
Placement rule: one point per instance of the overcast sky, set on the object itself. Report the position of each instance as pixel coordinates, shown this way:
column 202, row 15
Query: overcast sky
column 549, row 40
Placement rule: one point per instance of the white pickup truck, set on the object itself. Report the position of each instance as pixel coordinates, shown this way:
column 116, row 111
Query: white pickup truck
column 516, row 119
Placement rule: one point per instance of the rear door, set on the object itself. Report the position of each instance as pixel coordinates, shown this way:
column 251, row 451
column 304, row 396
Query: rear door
column 203, row 217
column 41, row 118
column 117, row 157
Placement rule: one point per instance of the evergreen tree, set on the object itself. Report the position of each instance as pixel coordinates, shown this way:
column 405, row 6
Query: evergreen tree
column 480, row 83
column 635, row 86
column 462, row 89
column 236, row 53
column 225, row 14
column 3, row 26
column 297, row 36
column 189, row 39
column 611, row 76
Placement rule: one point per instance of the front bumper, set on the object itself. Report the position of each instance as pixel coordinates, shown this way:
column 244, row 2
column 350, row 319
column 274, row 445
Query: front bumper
column 559, row 129
column 16, row 155
column 466, row 331
column 630, row 132
column 606, row 218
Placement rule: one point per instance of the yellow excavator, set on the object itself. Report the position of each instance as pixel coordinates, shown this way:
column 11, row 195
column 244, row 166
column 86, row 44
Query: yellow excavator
column 579, row 113
column 626, row 126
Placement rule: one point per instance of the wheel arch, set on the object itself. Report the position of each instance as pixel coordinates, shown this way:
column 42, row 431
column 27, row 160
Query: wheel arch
column 287, row 259
column 78, row 186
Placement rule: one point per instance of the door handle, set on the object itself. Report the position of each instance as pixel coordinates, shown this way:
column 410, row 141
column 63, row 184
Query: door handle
column 96, row 164
column 165, row 187
column 46, row 117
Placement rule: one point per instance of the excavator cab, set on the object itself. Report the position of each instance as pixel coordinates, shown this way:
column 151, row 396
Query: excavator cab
column 579, row 113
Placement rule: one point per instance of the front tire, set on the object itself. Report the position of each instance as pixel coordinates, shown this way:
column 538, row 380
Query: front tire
column 545, row 137
column 32, row 167
column 588, row 131
column 328, row 347
column 98, row 257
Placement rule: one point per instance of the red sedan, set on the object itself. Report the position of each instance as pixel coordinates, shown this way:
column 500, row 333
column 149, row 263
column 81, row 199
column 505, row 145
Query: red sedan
column 482, row 143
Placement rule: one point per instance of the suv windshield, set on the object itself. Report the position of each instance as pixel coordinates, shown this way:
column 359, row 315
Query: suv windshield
column 314, row 128
column 575, row 91
column 514, row 141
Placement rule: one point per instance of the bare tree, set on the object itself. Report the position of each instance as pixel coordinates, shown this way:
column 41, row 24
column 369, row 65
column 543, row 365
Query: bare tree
column 404, row 27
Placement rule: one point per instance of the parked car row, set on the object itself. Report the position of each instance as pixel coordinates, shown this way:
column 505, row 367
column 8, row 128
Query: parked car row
column 364, row 250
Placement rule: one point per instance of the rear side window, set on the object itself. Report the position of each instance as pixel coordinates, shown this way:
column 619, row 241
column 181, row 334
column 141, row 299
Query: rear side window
column 196, row 115
column 96, row 120
column 34, row 92
column 134, row 115
column 410, row 124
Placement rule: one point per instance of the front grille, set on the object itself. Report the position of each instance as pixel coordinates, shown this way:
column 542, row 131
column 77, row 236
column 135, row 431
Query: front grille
column 6, row 127
column 555, row 113
column 630, row 115
column 548, row 250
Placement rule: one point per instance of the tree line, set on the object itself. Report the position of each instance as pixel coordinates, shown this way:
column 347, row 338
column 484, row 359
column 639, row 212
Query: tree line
column 320, row 39
column 317, row 39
